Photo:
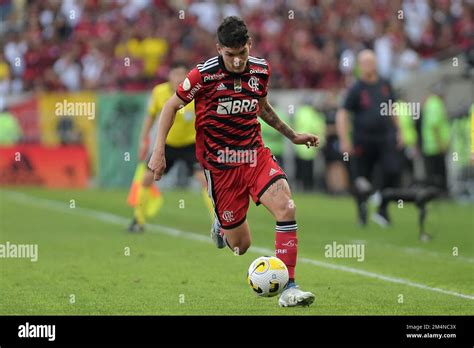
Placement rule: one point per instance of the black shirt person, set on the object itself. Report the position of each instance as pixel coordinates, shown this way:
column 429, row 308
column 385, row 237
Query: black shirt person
column 375, row 134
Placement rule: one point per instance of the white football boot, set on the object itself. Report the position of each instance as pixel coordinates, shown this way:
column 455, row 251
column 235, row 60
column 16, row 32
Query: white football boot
column 293, row 296
column 216, row 235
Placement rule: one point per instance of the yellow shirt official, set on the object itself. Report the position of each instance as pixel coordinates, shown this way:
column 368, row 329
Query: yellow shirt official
column 182, row 133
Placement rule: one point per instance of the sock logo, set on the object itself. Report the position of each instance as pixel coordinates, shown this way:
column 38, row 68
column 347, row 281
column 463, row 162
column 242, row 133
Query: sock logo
column 290, row 244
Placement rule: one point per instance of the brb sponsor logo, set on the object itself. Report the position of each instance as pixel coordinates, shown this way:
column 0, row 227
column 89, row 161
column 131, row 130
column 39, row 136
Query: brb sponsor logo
column 228, row 106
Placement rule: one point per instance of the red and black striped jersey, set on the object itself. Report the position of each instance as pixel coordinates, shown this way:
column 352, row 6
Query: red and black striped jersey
column 226, row 107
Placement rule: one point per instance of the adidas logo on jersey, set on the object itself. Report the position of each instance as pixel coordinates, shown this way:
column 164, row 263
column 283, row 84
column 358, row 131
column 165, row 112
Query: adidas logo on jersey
column 272, row 171
column 221, row 87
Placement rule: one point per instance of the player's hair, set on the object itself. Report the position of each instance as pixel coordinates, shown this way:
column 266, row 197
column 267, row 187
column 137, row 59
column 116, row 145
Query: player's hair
column 232, row 32
column 178, row 64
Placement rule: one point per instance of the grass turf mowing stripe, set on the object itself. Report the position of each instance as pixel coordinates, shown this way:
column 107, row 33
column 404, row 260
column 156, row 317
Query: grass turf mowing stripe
column 120, row 220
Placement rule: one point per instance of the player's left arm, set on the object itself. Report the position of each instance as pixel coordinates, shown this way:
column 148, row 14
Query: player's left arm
column 268, row 114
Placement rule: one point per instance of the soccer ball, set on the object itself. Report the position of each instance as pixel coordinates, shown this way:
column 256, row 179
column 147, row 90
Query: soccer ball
column 267, row 276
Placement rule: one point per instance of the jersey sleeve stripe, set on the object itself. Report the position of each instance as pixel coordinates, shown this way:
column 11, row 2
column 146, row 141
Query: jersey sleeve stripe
column 205, row 68
column 262, row 64
column 201, row 66
column 257, row 59
column 208, row 62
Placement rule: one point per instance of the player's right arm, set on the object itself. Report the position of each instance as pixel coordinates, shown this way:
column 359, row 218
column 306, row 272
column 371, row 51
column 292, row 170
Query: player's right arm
column 351, row 104
column 342, row 128
column 145, row 137
column 168, row 114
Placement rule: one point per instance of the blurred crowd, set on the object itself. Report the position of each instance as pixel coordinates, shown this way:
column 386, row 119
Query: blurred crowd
column 129, row 44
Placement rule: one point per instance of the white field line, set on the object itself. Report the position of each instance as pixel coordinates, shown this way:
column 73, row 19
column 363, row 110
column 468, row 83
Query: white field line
column 418, row 251
column 122, row 221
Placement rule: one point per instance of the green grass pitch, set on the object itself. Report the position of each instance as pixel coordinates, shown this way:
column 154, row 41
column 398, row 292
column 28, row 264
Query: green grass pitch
column 88, row 265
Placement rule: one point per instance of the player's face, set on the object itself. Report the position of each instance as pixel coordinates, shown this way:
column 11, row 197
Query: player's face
column 235, row 59
column 176, row 76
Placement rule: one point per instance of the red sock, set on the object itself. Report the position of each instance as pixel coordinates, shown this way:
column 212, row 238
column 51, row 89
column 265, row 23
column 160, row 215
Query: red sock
column 286, row 244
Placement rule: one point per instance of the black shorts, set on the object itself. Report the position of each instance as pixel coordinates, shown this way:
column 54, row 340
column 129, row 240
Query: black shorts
column 381, row 152
column 174, row 154
column 435, row 167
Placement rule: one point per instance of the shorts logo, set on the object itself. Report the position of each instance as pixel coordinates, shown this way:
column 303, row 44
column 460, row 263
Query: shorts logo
column 253, row 83
column 290, row 243
column 238, row 106
column 228, row 215
column 272, row 171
